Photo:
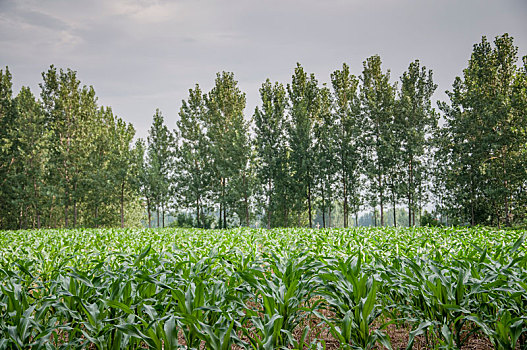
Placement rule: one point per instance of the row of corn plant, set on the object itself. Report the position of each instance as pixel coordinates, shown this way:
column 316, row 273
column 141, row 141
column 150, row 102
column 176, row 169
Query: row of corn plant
column 259, row 289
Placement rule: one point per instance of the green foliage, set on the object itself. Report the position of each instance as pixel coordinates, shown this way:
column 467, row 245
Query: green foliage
column 157, row 169
column 186, row 220
column 194, row 171
column 415, row 122
column 377, row 98
column 271, row 161
column 347, row 134
column 304, row 97
column 428, row 219
column 227, row 131
column 483, row 142
column 65, row 161
column 310, row 154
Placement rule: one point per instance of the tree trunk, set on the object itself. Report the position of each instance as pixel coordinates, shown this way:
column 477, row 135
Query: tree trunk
column 246, row 200
column 507, row 216
column 472, row 214
column 375, row 217
column 329, row 214
column 394, row 212
column 149, row 213
column 497, row 216
column 345, row 209
column 409, row 210
column 75, row 206
column 269, row 204
column 420, row 207
column 35, row 202
column 163, row 214
column 122, row 204
column 410, row 174
column 224, row 204
column 505, row 185
column 97, row 216
column 157, row 211
column 381, row 199
column 323, row 208
column 309, row 204
column 74, row 213
column 220, row 219
column 66, row 208
column 51, row 223
column 197, row 211
column 223, row 210
column 224, row 216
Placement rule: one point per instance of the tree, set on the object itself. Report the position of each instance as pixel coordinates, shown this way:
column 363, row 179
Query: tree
column 122, row 159
column 377, row 97
column 68, row 109
column 194, row 157
column 97, row 184
column 33, row 143
column 304, row 96
column 160, row 161
column 270, row 145
column 325, row 131
column 482, row 133
column 8, row 151
column 348, row 139
column 415, row 121
column 142, row 181
column 230, row 148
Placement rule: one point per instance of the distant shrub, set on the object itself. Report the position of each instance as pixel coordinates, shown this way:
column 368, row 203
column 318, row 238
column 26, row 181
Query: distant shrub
column 427, row 219
column 185, row 220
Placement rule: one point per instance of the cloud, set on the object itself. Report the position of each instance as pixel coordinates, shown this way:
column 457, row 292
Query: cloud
column 140, row 55
column 145, row 11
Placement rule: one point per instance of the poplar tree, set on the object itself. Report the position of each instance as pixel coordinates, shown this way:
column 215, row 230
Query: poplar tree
column 122, row 159
column 67, row 107
column 230, row 148
column 270, row 145
column 160, row 160
column 194, row 156
column 97, row 182
column 485, row 132
column 33, row 143
column 304, row 96
column 416, row 121
column 81, row 146
column 143, row 182
column 348, row 148
column 325, row 132
column 63, row 158
column 8, row 151
column 377, row 97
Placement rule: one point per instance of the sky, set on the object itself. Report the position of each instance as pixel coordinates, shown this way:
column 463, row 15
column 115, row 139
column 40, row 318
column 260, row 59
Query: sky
column 141, row 55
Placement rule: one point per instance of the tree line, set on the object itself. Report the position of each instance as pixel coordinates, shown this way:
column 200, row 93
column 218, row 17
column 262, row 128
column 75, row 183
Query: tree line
column 309, row 153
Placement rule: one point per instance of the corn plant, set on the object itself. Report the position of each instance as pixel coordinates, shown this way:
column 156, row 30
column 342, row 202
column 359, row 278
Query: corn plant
column 260, row 289
column 351, row 292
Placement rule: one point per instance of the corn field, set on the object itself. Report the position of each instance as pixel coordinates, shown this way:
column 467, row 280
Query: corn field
column 258, row 289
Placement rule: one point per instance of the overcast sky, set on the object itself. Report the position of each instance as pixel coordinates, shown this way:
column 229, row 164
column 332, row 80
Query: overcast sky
column 141, row 55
